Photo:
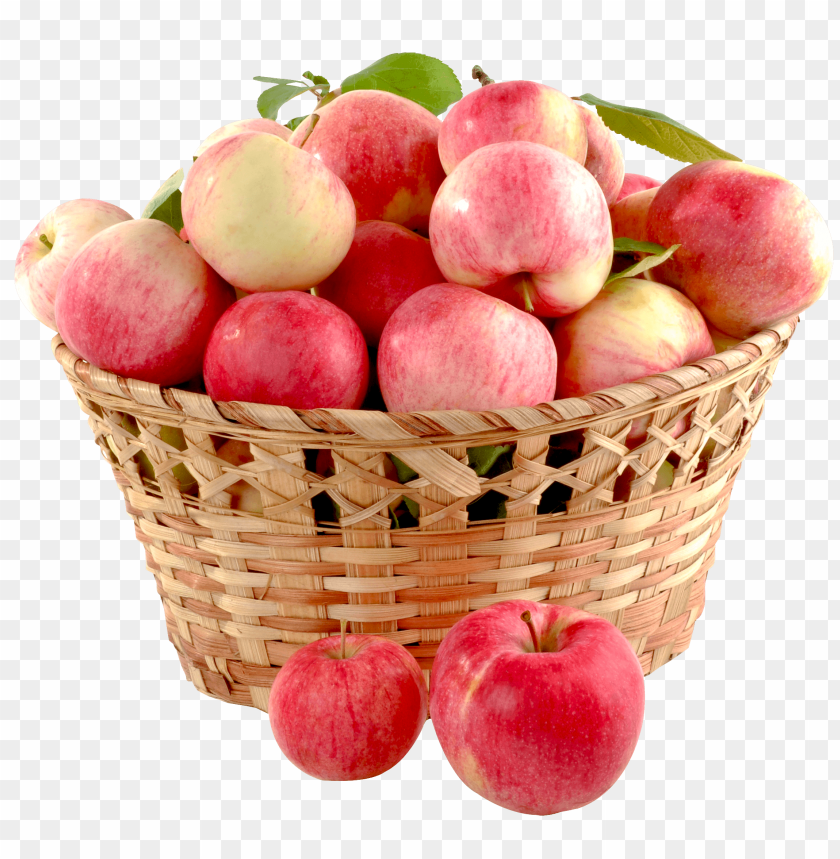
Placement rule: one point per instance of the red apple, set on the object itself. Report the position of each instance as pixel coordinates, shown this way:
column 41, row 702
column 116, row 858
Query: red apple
column 342, row 711
column 512, row 110
column 386, row 264
column 452, row 347
column 384, row 148
column 603, row 155
column 529, row 215
column 139, row 302
column 265, row 215
column 629, row 216
column 537, row 729
column 287, row 349
column 754, row 250
column 263, row 124
column 41, row 261
column 634, row 182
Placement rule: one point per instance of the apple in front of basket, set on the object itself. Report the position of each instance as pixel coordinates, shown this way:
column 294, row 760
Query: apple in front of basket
column 538, row 707
column 348, row 707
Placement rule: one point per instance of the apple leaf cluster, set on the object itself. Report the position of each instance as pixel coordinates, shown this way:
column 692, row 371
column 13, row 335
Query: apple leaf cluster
column 648, row 262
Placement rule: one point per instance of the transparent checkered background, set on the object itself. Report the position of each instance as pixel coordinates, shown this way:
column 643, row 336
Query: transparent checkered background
column 107, row 750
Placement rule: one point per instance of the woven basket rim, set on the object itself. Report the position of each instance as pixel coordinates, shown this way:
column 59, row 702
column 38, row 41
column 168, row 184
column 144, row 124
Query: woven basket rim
column 434, row 428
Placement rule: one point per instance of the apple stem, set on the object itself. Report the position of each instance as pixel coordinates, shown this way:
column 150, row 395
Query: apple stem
column 315, row 118
column 343, row 639
column 46, row 241
column 526, row 616
column 525, row 291
column 481, row 76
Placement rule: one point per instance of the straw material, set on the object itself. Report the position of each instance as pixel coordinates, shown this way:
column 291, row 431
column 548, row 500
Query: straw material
column 243, row 591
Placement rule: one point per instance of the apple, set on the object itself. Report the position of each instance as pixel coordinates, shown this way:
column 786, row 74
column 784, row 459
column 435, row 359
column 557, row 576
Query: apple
column 632, row 328
column 47, row 250
column 621, row 489
column 137, row 301
column 634, row 182
column 512, row 110
column 538, row 707
column 266, row 215
column 384, row 148
column 603, row 155
column 263, row 124
column 754, row 250
column 453, row 347
column 385, row 265
column 349, row 707
column 243, row 496
column 629, row 216
column 287, row 349
column 722, row 342
column 528, row 216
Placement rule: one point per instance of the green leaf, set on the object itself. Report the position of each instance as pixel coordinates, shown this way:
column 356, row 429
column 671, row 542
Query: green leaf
column 643, row 264
column 169, row 187
column 657, row 132
column 482, row 459
column 279, row 81
column 412, row 506
column 170, row 212
column 425, row 80
column 629, row 246
column 273, row 98
column 316, row 79
column 292, row 124
column 404, row 473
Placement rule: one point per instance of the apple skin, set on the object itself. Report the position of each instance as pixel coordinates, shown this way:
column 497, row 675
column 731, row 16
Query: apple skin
column 453, row 347
column 266, row 215
column 38, row 269
column 386, row 264
column 634, row 182
column 511, row 110
column 137, row 301
column 754, row 250
column 629, row 216
column 385, row 150
column 263, row 124
column 525, row 214
column 287, row 349
column 347, row 719
column 603, row 155
column 537, row 733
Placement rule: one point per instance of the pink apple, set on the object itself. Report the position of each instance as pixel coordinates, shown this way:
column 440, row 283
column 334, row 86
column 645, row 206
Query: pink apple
column 537, row 729
column 266, row 215
column 633, row 328
column 386, row 264
column 634, row 182
column 754, row 250
column 352, row 716
column 384, row 148
column 452, row 347
column 40, row 264
column 513, row 110
column 603, row 155
column 528, row 214
column 265, row 125
column 139, row 302
column 629, row 216
column 287, row 349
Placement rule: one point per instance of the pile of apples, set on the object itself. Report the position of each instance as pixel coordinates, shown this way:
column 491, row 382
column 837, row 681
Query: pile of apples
column 467, row 261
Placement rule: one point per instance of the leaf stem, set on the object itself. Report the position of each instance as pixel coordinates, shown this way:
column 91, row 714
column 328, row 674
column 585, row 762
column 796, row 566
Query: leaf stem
column 526, row 616
column 46, row 241
column 481, row 76
column 343, row 639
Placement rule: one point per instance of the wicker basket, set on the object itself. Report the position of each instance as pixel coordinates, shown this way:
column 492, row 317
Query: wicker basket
column 241, row 592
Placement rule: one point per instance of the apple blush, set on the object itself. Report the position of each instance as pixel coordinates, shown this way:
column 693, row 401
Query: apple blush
column 538, row 707
column 349, row 707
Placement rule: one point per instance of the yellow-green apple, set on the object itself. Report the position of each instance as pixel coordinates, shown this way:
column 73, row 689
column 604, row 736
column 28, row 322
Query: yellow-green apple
column 266, row 215
column 629, row 216
column 385, row 265
column 346, row 709
column 48, row 249
column 723, row 342
column 452, row 347
column 385, row 149
column 603, row 155
column 260, row 123
column 137, row 301
column 537, row 720
column 287, row 349
column 753, row 249
column 632, row 328
column 529, row 216
column 512, row 110
column 634, row 182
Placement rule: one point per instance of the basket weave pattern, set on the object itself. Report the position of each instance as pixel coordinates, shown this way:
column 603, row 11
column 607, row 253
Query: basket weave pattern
column 241, row 592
